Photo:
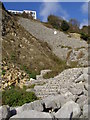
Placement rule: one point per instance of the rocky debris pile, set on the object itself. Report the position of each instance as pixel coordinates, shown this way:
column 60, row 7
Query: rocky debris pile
column 64, row 96
column 60, row 43
column 51, row 107
column 78, row 55
column 12, row 75
column 71, row 82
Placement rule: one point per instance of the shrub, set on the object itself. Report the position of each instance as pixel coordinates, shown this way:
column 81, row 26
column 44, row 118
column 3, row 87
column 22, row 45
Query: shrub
column 64, row 25
column 17, row 97
column 54, row 21
column 84, row 36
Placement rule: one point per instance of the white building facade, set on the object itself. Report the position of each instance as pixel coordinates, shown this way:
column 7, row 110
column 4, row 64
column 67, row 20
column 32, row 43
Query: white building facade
column 26, row 11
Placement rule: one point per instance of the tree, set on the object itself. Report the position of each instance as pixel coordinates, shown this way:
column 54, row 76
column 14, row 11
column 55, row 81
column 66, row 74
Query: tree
column 64, row 25
column 74, row 22
column 54, row 21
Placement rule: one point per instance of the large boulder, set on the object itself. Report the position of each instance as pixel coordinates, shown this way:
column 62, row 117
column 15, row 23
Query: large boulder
column 31, row 114
column 5, row 112
column 53, row 102
column 36, row 105
column 69, row 110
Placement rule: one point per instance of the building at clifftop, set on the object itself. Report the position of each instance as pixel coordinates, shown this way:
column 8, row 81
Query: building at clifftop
column 30, row 12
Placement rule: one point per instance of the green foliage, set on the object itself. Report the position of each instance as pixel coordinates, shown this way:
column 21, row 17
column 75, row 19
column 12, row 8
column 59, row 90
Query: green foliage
column 31, row 74
column 54, row 21
column 84, row 36
column 64, row 25
column 17, row 97
column 3, row 72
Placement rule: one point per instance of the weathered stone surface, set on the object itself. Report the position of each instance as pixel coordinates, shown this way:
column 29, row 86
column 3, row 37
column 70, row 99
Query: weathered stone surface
column 85, row 111
column 32, row 114
column 69, row 109
column 5, row 112
column 82, row 100
column 36, row 105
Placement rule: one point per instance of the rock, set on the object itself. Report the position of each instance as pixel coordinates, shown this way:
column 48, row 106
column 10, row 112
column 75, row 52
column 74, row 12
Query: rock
column 70, row 109
column 76, row 91
column 85, row 111
column 54, row 102
column 32, row 114
column 36, row 105
column 82, row 100
column 5, row 112
column 79, row 79
column 86, row 86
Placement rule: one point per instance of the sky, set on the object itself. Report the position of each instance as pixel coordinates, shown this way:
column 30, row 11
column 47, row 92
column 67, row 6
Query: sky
column 66, row 10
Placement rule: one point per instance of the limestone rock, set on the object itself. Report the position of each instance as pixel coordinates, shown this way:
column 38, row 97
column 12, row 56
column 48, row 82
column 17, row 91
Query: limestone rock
column 4, row 112
column 32, row 114
column 85, row 111
column 70, row 109
column 36, row 105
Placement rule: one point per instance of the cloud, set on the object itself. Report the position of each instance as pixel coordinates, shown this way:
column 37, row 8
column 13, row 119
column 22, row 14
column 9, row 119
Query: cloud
column 84, row 8
column 84, row 22
column 48, row 8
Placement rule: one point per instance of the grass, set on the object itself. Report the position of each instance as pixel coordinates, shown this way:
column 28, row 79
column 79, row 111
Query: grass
column 56, row 70
column 17, row 97
column 31, row 74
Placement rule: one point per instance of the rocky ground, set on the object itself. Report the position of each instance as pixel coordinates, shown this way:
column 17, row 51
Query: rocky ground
column 29, row 44
column 64, row 96
column 62, row 45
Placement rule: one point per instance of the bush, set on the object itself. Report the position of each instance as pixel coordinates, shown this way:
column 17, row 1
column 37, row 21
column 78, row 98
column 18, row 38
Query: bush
column 64, row 25
column 17, row 97
column 54, row 21
column 84, row 36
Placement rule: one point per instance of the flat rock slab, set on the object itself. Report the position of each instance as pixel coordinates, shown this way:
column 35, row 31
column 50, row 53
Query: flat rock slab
column 32, row 114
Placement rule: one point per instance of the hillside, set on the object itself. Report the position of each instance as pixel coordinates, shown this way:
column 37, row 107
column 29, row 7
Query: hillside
column 61, row 44
column 25, row 50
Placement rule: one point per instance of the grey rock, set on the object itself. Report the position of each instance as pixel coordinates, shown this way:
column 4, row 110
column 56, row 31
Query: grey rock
column 54, row 102
column 36, row 105
column 5, row 112
column 32, row 114
column 69, row 109
column 76, row 91
column 82, row 100
column 85, row 111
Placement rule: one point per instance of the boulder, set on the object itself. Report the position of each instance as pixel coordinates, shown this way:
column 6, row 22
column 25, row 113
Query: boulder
column 31, row 114
column 5, row 112
column 54, row 102
column 36, row 105
column 68, row 110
